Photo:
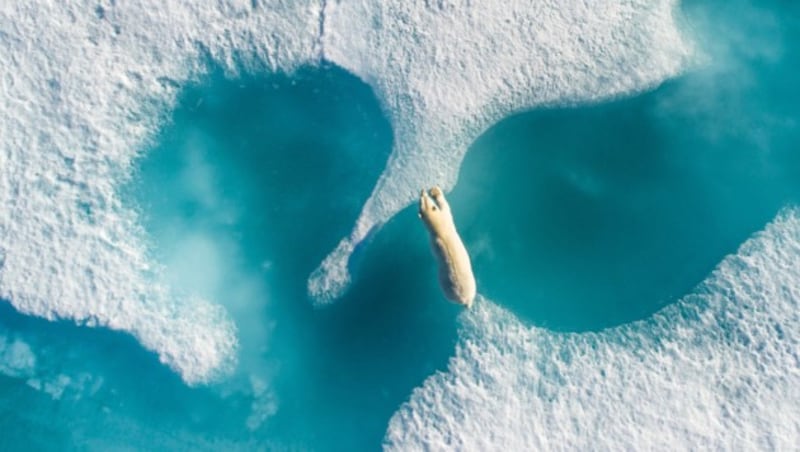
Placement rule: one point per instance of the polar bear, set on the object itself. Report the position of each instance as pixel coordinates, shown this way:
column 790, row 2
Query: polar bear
column 455, row 269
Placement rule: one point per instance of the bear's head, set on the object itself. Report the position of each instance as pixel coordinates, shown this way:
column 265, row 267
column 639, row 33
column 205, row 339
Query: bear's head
column 435, row 211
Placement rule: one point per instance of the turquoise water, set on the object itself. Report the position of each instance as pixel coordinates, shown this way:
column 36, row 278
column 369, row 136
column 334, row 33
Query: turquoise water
column 578, row 218
column 583, row 237
column 585, row 218
column 266, row 197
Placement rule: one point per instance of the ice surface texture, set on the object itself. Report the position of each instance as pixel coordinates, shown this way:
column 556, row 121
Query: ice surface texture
column 84, row 86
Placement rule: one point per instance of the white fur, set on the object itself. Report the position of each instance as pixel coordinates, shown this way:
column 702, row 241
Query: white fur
column 455, row 269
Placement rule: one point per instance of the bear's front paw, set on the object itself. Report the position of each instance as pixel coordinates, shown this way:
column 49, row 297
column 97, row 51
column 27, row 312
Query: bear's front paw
column 426, row 204
column 441, row 201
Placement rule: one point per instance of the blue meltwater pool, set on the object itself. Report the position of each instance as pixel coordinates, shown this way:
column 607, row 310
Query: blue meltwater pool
column 209, row 236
